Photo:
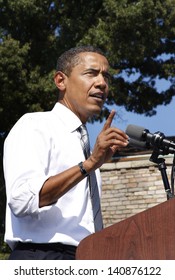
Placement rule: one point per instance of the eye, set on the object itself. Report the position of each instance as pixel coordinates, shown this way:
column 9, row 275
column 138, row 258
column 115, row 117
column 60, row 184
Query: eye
column 107, row 77
column 91, row 73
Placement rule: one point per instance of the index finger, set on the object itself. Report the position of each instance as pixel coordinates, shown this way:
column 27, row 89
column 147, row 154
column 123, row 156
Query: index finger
column 109, row 120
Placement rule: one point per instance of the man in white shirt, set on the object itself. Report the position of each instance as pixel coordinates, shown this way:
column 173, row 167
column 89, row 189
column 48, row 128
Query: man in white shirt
column 49, row 209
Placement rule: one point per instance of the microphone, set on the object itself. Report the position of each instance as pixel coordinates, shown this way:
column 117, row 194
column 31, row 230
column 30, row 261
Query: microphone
column 157, row 139
column 138, row 144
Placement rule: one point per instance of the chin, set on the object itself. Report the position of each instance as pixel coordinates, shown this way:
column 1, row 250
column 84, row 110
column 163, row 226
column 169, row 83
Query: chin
column 96, row 111
column 92, row 110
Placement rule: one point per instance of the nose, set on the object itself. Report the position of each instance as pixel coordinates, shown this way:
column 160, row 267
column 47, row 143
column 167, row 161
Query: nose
column 101, row 81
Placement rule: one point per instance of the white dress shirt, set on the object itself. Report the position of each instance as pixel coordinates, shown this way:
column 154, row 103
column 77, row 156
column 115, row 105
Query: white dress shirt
column 41, row 145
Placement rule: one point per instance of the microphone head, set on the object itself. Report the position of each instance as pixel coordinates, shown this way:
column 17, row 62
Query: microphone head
column 135, row 132
column 138, row 144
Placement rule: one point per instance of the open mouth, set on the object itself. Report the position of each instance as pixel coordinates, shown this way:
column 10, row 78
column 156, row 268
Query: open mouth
column 97, row 95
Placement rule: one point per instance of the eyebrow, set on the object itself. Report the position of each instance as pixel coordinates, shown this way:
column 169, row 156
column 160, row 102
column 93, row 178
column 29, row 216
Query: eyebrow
column 105, row 73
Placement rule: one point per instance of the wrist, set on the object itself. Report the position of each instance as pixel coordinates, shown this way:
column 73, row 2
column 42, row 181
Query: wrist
column 82, row 169
column 90, row 165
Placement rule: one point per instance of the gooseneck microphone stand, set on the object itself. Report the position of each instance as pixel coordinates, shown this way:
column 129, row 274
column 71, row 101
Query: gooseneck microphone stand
column 162, row 168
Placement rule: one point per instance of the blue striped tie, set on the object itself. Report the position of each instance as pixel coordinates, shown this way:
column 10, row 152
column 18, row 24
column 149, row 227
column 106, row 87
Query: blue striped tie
column 95, row 199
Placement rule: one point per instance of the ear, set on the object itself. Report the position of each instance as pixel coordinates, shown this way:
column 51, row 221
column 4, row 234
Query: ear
column 59, row 79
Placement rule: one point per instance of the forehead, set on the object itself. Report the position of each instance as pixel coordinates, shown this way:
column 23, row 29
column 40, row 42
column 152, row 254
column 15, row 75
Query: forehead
column 93, row 60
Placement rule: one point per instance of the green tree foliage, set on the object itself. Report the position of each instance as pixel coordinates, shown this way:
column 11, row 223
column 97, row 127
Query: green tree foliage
column 133, row 34
column 138, row 38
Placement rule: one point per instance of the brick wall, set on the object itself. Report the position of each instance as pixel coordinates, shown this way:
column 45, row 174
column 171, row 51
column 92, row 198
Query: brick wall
column 131, row 185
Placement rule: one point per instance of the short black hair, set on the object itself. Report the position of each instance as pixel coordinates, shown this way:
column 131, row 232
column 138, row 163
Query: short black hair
column 71, row 58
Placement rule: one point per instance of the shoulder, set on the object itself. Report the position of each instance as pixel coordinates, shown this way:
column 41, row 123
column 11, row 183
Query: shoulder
column 30, row 122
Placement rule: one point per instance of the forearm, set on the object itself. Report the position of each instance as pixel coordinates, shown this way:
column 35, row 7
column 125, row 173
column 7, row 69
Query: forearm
column 56, row 186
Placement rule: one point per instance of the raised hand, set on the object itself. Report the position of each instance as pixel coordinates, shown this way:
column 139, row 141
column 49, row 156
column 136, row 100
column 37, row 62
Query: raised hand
column 108, row 142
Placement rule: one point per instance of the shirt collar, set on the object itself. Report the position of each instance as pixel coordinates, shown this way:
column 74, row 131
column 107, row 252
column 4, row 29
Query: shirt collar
column 68, row 118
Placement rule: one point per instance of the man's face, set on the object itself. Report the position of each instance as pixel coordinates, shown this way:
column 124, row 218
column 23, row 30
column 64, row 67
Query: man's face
column 86, row 88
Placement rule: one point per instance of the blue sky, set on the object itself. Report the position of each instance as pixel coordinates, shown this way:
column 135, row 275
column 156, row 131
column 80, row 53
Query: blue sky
column 163, row 121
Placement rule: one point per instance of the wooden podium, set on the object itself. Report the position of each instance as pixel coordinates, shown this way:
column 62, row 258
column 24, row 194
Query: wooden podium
column 149, row 235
